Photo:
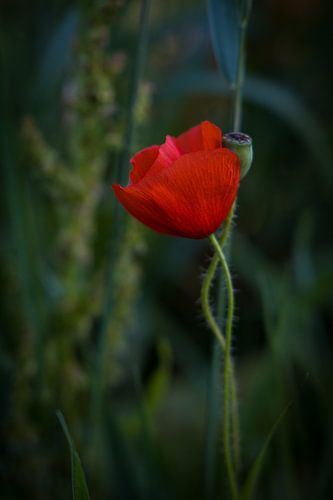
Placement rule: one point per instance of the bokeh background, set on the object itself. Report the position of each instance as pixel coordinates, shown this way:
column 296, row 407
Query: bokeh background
column 99, row 316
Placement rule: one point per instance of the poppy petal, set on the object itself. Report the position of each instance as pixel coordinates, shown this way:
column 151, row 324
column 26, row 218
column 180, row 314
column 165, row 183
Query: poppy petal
column 167, row 155
column 205, row 136
column 141, row 205
column 141, row 163
column 191, row 199
column 169, row 151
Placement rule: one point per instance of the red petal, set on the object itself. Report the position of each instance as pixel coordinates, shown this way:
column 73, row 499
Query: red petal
column 142, row 162
column 169, row 151
column 191, row 199
column 142, row 206
column 167, row 155
column 205, row 136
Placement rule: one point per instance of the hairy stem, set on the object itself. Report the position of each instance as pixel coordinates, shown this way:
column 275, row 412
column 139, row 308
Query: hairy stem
column 234, row 417
column 228, row 371
column 206, row 284
column 212, row 323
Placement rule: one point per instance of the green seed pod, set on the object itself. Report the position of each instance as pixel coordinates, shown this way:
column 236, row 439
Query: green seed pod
column 241, row 144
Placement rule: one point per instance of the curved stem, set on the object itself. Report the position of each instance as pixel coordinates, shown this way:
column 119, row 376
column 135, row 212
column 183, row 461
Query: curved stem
column 224, row 237
column 227, row 375
column 212, row 323
column 206, row 309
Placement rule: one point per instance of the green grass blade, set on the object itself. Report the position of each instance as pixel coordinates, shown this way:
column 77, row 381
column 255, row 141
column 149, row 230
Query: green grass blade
column 79, row 483
column 224, row 27
column 253, row 475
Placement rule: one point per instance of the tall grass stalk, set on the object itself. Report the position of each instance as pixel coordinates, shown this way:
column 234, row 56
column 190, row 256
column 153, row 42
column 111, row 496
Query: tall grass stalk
column 16, row 199
column 119, row 222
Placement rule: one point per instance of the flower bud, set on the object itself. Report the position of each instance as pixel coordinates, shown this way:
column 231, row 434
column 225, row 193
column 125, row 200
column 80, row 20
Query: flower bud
column 241, row 144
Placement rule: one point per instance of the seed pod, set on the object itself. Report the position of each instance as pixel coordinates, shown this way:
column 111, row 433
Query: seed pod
column 241, row 144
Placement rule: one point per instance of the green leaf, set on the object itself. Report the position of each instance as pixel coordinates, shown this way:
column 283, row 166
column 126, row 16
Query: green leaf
column 253, row 475
column 79, row 484
column 224, row 27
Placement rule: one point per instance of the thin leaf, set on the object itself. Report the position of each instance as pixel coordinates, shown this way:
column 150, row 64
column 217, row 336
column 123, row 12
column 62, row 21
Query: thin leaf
column 57, row 54
column 224, row 27
column 253, row 475
column 79, row 484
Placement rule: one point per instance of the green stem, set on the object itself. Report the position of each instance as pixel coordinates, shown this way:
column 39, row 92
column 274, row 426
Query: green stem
column 224, row 238
column 235, row 426
column 238, row 92
column 238, row 89
column 206, row 284
column 212, row 323
column 228, row 372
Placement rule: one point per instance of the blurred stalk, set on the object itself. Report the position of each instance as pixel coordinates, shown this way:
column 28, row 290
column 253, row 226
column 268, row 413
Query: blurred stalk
column 18, row 215
column 74, row 184
column 119, row 224
column 238, row 88
column 138, row 70
column 282, row 371
column 212, row 421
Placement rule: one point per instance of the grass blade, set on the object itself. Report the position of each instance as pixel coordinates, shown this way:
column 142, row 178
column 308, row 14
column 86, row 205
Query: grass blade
column 224, row 27
column 253, row 475
column 79, row 483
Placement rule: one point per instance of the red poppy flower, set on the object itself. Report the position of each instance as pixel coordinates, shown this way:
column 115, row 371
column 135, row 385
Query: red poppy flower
column 186, row 186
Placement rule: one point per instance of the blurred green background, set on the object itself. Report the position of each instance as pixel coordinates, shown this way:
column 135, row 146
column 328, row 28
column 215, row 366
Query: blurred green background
column 99, row 316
